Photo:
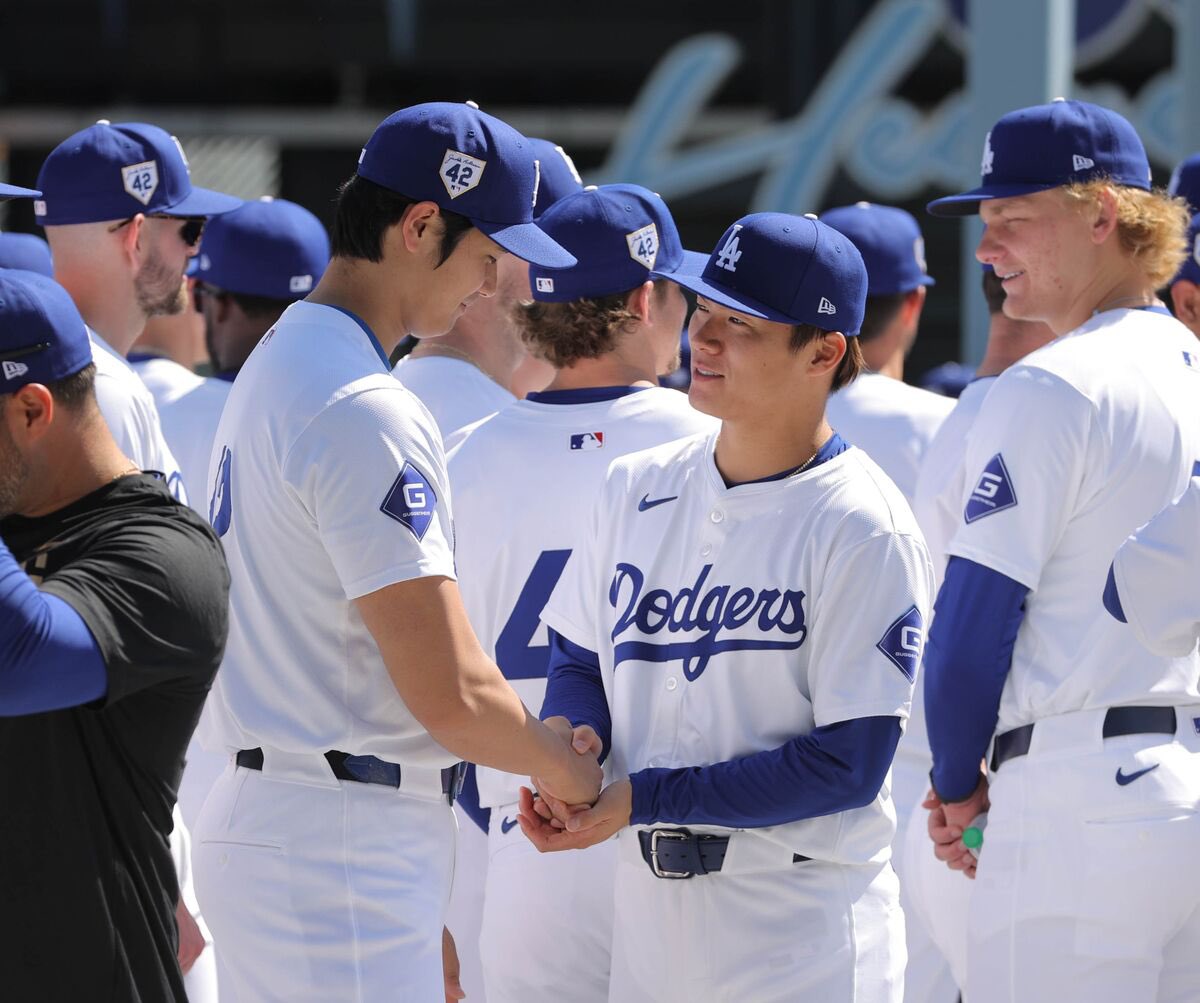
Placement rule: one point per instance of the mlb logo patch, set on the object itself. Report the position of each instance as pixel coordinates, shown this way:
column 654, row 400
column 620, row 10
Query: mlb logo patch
column 300, row 283
column 460, row 173
column 141, row 180
column 643, row 245
column 14, row 369
column 904, row 641
column 545, row 285
column 411, row 501
column 992, row 493
column 587, row 440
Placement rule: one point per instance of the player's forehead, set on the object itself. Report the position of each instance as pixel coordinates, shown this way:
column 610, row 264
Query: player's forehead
column 1035, row 204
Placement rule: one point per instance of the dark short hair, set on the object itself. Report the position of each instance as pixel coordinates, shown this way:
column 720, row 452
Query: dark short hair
column 879, row 313
column 71, row 392
column 852, row 362
column 366, row 210
column 993, row 291
column 258, row 307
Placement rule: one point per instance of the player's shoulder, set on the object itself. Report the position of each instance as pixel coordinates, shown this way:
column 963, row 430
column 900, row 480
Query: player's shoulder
column 875, row 396
column 859, row 495
column 165, row 378
column 673, row 461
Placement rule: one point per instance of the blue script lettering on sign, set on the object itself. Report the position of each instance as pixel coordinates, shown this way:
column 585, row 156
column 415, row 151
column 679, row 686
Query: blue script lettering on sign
column 699, row 607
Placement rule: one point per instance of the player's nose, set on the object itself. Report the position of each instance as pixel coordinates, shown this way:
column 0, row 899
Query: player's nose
column 987, row 249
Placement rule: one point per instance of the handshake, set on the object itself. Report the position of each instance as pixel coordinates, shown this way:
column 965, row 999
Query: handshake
column 553, row 819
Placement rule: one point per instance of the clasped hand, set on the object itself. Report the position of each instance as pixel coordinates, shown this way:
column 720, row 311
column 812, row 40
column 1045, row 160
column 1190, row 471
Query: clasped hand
column 947, row 822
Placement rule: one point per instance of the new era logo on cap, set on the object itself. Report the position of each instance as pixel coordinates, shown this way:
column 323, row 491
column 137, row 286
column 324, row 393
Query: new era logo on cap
column 1081, row 163
column 825, row 306
column 460, row 173
column 14, row 369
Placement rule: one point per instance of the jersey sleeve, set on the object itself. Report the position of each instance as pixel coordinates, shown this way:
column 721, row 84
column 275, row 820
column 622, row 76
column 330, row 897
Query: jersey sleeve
column 370, row 472
column 869, row 622
column 1157, row 575
column 1029, row 461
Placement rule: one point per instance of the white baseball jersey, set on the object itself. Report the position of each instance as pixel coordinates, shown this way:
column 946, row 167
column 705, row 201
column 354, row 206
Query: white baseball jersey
column 891, row 421
column 329, row 484
column 131, row 416
column 523, row 482
column 455, row 392
column 1074, row 448
column 189, row 408
column 730, row 620
column 1157, row 572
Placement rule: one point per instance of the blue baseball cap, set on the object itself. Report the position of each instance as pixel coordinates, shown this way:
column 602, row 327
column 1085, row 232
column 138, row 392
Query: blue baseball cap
column 1190, row 269
column 268, row 247
column 890, row 243
column 1185, row 182
column 1048, row 145
column 109, row 171
column 16, row 192
column 622, row 235
column 558, row 177
column 790, row 269
column 42, row 336
column 27, row 252
column 467, row 162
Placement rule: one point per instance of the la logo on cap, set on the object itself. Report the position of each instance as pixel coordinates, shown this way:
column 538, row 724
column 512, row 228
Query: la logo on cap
column 460, row 173
column 643, row 245
column 141, row 180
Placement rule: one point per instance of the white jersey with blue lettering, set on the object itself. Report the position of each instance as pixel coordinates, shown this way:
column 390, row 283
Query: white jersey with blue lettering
column 456, row 392
column 891, row 421
column 1075, row 447
column 524, row 481
column 1157, row 572
column 329, row 484
column 728, row 621
column 129, row 411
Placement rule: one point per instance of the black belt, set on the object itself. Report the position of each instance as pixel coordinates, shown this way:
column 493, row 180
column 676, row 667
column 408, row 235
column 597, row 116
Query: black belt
column 365, row 770
column 680, row 853
column 1117, row 721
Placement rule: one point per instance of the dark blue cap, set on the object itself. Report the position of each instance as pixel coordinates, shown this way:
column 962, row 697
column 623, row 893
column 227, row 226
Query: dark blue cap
column 790, row 269
column 468, row 162
column 1048, row 145
column 42, row 336
column 622, row 235
column 268, row 247
column 949, row 379
column 1185, row 182
column 16, row 192
column 890, row 243
column 558, row 177
column 26, row 251
column 1190, row 269
column 109, row 171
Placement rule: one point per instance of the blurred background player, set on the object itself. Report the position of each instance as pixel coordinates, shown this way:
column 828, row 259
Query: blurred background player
column 26, row 251
column 476, row 367
column 1095, row 762
column 1183, row 296
column 1185, row 182
column 521, row 479
column 879, row 412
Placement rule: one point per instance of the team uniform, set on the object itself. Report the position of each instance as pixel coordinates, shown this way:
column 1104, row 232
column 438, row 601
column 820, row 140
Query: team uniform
column 456, row 392
column 521, row 480
column 728, row 621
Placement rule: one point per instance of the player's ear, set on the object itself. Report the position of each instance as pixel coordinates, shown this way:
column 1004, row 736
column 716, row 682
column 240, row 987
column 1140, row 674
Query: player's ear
column 419, row 229
column 639, row 301
column 1185, row 298
column 133, row 239
column 1103, row 216
column 30, row 412
column 827, row 353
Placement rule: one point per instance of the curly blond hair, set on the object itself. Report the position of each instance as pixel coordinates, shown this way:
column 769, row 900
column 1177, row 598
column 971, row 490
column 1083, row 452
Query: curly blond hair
column 1151, row 225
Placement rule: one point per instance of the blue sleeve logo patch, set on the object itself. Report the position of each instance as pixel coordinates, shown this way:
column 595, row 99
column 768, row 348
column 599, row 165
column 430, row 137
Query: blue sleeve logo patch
column 904, row 641
column 411, row 501
column 220, row 506
column 993, row 493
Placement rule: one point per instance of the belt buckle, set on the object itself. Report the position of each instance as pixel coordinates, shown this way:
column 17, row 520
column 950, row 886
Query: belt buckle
column 672, row 835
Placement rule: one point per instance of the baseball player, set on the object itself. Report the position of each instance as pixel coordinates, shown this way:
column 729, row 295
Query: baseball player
column 468, row 372
column 26, row 251
column 740, row 636
column 1184, row 292
column 521, row 478
column 1185, row 182
column 1152, row 584
column 1094, row 773
column 880, row 413
column 353, row 681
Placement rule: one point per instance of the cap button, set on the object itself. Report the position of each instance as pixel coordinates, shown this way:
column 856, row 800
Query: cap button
column 472, row 104
column 1060, row 99
column 590, row 188
column 862, row 205
column 810, row 215
column 103, row 121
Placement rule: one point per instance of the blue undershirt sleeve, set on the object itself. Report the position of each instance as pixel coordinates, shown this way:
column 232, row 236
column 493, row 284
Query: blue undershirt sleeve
column 835, row 768
column 967, row 658
column 575, row 689
column 1112, row 598
column 48, row 657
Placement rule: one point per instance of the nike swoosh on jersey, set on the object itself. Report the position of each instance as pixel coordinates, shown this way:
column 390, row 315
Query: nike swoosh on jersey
column 507, row 825
column 1128, row 778
column 646, row 503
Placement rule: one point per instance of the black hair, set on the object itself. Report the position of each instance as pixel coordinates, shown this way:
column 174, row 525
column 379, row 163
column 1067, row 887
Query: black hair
column 879, row 313
column 71, row 392
column 852, row 362
column 366, row 210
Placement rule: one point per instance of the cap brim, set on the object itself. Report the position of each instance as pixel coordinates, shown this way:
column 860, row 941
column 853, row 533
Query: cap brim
column 202, row 202
column 16, row 192
column 967, row 203
column 729, row 298
column 529, row 243
column 692, row 265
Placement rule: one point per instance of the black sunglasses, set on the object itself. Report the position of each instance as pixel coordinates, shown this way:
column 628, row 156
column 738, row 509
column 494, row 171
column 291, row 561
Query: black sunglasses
column 190, row 233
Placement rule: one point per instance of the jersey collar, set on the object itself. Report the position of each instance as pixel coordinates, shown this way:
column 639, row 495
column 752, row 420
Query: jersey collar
column 366, row 330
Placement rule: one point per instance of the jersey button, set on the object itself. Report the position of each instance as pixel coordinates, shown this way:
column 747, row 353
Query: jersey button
column 706, row 550
column 672, row 682
column 717, row 515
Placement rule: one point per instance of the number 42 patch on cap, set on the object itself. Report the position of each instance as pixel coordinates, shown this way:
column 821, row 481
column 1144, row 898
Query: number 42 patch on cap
column 460, row 173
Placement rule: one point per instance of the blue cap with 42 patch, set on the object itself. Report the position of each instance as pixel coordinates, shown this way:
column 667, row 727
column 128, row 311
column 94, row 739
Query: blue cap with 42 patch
column 42, row 336
column 467, row 162
column 1048, row 145
column 890, row 242
column 558, row 177
column 789, row 269
column 109, row 171
column 622, row 236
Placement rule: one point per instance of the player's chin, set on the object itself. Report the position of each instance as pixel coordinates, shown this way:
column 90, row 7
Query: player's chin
column 706, row 397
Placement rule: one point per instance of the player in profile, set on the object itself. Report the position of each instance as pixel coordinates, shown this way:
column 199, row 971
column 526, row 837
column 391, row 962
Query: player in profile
column 324, row 852
column 609, row 326
column 1094, row 769
column 739, row 636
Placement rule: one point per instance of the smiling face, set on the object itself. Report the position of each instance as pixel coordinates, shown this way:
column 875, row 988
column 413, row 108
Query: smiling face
column 448, row 289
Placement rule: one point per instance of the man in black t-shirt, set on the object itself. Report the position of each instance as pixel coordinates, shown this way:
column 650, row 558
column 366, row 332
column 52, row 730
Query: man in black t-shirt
column 113, row 616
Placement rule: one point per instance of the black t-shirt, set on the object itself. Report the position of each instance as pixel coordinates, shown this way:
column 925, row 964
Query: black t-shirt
column 87, row 883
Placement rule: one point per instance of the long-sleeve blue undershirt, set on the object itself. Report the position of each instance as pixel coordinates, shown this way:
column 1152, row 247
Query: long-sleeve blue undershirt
column 835, row 768
column 48, row 657
column 967, row 659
